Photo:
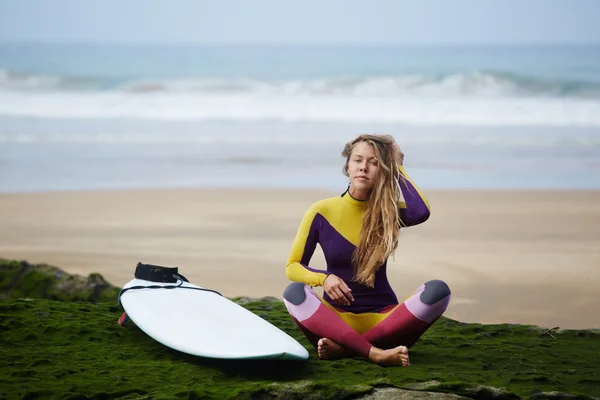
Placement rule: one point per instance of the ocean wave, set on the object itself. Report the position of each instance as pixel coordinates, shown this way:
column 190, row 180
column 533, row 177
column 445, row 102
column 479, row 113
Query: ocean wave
column 475, row 98
column 17, row 80
column 337, row 109
column 495, row 84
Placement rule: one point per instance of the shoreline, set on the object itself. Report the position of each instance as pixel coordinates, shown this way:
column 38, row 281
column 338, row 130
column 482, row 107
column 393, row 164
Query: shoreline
column 509, row 256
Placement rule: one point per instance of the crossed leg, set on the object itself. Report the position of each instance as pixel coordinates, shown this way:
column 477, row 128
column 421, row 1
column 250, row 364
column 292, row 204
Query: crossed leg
column 400, row 328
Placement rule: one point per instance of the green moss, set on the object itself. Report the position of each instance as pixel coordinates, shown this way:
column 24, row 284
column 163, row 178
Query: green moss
column 77, row 350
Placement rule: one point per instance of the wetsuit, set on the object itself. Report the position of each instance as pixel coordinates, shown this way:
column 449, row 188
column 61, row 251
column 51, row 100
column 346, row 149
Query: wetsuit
column 375, row 317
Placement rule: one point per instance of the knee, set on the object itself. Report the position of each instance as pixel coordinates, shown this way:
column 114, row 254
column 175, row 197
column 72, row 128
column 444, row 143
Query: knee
column 295, row 293
column 435, row 290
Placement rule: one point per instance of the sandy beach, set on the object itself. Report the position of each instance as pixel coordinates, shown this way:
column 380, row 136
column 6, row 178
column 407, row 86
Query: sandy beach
column 529, row 257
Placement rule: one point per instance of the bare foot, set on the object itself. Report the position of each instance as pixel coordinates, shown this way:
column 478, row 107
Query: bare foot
column 329, row 350
column 395, row 356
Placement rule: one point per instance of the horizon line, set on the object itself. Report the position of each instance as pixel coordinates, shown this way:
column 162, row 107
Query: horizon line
column 295, row 44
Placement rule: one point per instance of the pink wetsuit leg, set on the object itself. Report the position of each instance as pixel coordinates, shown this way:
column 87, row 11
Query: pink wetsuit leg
column 320, row 321
column 407, row 322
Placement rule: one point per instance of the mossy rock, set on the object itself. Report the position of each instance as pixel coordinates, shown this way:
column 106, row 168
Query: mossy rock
column 20, row 279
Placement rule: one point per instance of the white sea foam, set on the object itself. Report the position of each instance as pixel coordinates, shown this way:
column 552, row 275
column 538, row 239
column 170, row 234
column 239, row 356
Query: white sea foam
column 298, row 108
column 476, row 98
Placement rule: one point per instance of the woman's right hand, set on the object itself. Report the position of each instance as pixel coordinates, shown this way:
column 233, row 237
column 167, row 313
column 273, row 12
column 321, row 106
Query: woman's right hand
column 337, row 290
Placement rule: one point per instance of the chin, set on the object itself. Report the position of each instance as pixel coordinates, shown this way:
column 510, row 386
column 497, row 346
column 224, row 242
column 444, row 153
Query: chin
column 363, row 186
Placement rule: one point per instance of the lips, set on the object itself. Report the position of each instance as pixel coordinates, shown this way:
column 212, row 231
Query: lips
column 362, row 177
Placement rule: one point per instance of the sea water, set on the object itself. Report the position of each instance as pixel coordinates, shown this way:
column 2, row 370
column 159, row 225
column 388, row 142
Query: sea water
column 75, row 116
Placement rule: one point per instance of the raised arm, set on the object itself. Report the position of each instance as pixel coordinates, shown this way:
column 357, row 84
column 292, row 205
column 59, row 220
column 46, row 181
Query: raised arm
column 303, row 248
column 414, row 209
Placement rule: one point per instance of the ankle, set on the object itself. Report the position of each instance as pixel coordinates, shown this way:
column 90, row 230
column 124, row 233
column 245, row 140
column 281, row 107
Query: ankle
column 376, row 354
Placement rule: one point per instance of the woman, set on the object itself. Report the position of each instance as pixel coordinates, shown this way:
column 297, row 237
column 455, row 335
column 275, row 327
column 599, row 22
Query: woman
column 359, row 314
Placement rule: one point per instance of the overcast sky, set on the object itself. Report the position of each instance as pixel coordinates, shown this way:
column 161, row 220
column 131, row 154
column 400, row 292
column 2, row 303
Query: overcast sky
column 301, row 22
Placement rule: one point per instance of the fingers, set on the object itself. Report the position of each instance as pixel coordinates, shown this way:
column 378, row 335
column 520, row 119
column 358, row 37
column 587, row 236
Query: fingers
column 341, row 298
column 337, row 290
column 341, row 295
column 399, row 154
column 346, row 291
column 337, row 296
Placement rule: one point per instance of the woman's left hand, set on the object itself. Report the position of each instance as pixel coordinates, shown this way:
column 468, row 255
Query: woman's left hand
column 399, row 154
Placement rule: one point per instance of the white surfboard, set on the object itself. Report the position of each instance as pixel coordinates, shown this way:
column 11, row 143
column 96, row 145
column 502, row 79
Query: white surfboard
column 206, row 324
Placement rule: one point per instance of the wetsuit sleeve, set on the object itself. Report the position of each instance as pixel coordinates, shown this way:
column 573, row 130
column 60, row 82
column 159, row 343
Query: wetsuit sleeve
column 303, row 248
column 414, row 209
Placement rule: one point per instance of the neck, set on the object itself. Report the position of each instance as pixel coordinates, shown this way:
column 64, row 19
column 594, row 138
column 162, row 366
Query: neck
column 358, row 194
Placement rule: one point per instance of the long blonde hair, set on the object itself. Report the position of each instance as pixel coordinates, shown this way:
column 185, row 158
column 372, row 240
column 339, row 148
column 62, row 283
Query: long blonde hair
column 381, row 221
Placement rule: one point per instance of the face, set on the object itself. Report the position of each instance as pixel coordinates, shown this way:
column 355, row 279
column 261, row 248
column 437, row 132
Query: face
column 363, row 167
